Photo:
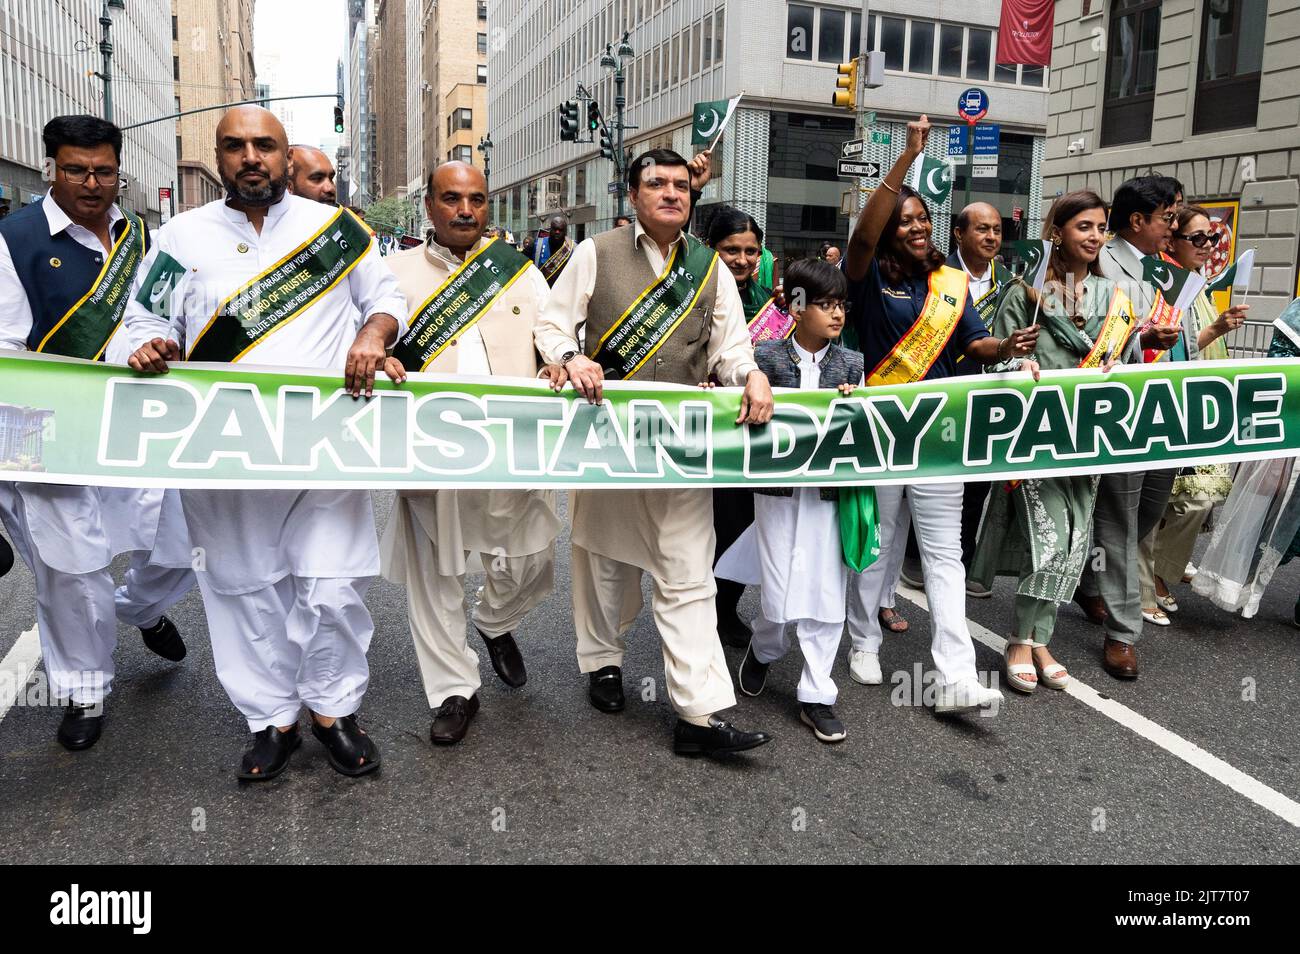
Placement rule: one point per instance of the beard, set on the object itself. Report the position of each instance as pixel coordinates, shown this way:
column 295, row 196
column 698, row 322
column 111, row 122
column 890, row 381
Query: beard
column 268, row 194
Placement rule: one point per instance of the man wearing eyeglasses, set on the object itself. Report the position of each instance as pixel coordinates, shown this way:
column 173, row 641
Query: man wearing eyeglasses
column 66, row 268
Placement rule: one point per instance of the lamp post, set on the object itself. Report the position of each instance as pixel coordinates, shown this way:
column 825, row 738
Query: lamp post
column 616, row 60
column 485, row 147
column 106, row 53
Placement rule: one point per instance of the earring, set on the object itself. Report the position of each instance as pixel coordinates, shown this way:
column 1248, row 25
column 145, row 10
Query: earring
column 1056, row 241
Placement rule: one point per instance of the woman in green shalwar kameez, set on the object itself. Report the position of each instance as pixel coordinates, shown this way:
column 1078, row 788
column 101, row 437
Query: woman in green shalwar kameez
column 1041, row 529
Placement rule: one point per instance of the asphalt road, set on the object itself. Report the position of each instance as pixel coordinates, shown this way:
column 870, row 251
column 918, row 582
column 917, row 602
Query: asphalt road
column 544, row 777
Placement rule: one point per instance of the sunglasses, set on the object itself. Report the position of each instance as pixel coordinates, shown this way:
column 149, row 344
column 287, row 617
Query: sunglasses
column 1201, row 239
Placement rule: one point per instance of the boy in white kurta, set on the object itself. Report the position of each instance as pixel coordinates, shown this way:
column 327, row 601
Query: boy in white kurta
column 285, row 571
column 800, row 562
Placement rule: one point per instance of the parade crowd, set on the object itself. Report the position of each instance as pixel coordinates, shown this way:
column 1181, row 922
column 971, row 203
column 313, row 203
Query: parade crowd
column 286, row 571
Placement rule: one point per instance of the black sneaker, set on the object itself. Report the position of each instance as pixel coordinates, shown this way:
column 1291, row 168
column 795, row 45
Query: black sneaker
column 752, row 674
column 822, row 720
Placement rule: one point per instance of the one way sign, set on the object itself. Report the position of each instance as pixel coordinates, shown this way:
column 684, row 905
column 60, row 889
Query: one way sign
column 858, row 169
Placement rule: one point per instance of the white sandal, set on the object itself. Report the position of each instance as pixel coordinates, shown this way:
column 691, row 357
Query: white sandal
column 1053, row 675
column 1016, row 670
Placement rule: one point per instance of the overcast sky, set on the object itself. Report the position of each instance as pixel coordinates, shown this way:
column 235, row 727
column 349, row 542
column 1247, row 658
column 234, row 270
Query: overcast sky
column 297, row 45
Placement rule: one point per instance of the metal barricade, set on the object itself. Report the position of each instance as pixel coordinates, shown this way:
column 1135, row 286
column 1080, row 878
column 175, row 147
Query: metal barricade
column 1251, row 340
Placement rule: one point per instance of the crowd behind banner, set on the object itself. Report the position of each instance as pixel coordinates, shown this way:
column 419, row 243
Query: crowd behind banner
column 1113, row 280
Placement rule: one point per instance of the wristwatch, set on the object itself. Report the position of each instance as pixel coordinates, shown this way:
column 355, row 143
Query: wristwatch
column 567, row 357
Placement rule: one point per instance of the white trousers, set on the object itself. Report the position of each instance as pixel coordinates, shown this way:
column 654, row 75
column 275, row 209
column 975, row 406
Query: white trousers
column 892, row 569
column 435, row 605
column 607, row 601
column 300, row 641
column 819, row 642
column 77, row 613
column 936, row 521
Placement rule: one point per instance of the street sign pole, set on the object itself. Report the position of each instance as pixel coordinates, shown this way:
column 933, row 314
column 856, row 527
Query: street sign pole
column 861, row 119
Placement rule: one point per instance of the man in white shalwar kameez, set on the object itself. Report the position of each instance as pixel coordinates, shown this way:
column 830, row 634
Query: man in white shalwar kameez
column 66, row 267
column 286, row 571
column 612, row 282
column 431, row 533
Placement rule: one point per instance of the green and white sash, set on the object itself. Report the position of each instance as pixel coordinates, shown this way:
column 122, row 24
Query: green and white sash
column 84, row 332
column 552, row 267
column 276, row 296
column 654, row 316
column 466, row 296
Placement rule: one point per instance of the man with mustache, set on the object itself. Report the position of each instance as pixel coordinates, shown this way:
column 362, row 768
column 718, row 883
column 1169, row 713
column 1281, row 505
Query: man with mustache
column 287, row 570
column 552, row 252
column 677, row 318
column 311, row 174
column 66, row 268
column 486, row 298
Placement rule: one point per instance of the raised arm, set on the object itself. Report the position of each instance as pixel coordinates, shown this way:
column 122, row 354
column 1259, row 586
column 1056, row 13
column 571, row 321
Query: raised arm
column 866, row 234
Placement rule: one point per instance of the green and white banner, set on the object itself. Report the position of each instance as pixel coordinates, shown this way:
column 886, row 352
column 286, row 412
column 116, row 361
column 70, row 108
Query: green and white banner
column 205, row 425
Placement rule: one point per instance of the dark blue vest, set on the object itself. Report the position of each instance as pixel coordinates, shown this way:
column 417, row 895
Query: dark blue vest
column 51, row 289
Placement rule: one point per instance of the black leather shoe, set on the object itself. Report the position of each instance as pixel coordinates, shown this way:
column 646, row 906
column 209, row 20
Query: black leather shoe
column 716, row 738
column 350, row 750
column 605, row 689
column 506, row 658
column 752, row 674
column 80, row 728
column 164, row 640
column 733, row 631
column 269, row 754
column 6, row 557
column 451, row 719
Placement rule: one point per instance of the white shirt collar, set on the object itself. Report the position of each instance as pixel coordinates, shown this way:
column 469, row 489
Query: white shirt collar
column 988, row 271
column 638, row 232
column 58, row 219
column 806, row 355
column 273, row 212
column 433, row 249
column 1137, row 253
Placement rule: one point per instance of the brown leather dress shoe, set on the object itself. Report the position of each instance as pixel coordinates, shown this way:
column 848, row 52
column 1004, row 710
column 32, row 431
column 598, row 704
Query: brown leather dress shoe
column 1092, row 607
column 1120, row 659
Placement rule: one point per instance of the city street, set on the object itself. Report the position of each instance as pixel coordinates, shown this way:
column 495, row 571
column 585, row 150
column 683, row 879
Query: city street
column 1198, row 761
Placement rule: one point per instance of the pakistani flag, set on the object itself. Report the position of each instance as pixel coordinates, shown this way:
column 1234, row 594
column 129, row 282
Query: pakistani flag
column 710, row 119
column 932, row 178
column 1178, row 286
column 1029, row 260
column 1236, row 275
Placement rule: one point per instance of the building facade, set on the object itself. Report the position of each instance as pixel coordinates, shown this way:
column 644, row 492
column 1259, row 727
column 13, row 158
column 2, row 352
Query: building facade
column 212, row 50
column 390, row 97
column 1208, row 92
column 778, row 158
column 359, row 116
column 48, row 54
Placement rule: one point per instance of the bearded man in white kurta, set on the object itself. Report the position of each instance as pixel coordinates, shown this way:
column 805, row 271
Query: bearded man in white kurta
column 677, row 318
column 473, row 303
column 66, row 268
column 286, row 570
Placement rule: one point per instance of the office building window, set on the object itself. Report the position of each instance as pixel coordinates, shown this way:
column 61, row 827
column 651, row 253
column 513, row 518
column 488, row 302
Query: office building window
column 1132, row 47
column 482, row 72
column 830, row 37
column 482, row 42
column 708, row 42
column 920, row 57
column 893, row 33
column 176, row 67
column 855, row 34
column 1232, row 52
column 482, row 9
column 1031, row 76
column 464, row 118
column 979, row 43
column 718, row 29
column 696, row 48
column 950, row 42
column 176, row 30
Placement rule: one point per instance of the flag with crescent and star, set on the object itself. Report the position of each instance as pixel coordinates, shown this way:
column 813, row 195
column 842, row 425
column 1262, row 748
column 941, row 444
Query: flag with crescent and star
column 1029, row 259
column 932, row 178
column 1178, row 287
column 710, row 119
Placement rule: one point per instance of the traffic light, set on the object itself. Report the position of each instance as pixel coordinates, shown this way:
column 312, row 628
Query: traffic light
column 338, row 119
column 846, row 85
column 606, row 145
column 593, row 115
column 569, row 121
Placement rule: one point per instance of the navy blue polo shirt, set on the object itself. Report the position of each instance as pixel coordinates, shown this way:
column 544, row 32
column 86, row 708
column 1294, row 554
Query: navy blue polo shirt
column 882, row 314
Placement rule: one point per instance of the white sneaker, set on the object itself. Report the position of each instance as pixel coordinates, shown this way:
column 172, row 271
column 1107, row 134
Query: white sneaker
column 965, row 696
column 864, row 667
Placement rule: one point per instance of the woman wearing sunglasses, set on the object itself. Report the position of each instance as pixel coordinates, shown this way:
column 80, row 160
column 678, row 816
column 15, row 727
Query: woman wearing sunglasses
column 1196, row 489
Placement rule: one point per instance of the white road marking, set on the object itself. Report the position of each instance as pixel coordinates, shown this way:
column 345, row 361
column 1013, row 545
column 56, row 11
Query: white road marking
column 1195, row 756
column 17, row 667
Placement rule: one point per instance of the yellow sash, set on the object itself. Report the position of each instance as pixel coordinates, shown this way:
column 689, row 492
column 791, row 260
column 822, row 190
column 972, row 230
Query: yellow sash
column 1115, row 331
column 918, row 350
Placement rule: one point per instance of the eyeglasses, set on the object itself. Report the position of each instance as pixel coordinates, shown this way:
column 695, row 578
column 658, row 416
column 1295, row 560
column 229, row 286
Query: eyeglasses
column 77, row 175
column 1169, row 218
column 832, row 306
column 1201, row 239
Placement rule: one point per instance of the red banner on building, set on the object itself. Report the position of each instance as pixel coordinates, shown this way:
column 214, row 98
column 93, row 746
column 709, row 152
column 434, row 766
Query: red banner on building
column 1025, row 32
